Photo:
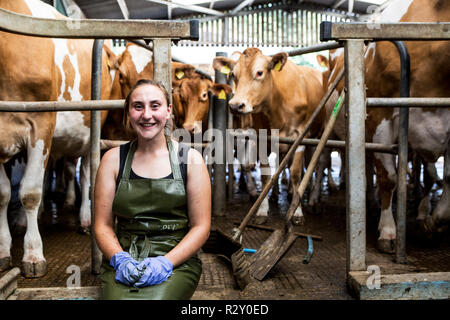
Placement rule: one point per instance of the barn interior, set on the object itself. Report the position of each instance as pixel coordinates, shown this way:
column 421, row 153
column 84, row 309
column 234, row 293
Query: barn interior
column 324, row 276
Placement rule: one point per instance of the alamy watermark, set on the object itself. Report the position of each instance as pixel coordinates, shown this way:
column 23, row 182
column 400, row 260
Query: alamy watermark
column 74, row 280
column 248, row 146
column 374, row 280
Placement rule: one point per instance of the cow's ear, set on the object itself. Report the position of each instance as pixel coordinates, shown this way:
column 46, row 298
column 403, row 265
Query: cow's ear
column 224, row 65
column 323, row 61
column 112, row 59
column 278, row 61
column 220, row 90
column 182, row 70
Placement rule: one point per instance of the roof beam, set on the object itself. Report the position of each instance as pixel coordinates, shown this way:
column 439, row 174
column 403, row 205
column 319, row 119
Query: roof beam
column 191, row 7
column 338, row 3
column 242, row 5
column 124, row 9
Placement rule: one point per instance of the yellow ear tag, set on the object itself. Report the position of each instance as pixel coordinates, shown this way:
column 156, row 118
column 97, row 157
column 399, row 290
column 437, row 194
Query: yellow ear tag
column 277, row 66
column 179, row 74
column 323, row 64
column 222, row 95
column 225, row 70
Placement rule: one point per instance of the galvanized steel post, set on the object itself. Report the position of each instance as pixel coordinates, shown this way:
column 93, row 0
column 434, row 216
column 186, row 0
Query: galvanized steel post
column 355, row 155
column 403, row 120
column 96, row 84
column 219, row 166
column 162, row 67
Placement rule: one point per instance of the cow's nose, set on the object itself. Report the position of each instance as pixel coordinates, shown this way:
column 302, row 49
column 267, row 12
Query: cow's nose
column 237, row 106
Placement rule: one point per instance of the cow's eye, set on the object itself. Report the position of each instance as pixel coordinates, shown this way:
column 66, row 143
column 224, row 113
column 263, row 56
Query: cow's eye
column 259, row 74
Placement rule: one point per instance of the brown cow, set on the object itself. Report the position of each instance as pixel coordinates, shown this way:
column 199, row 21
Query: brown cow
column 190, row 90
column 285, row 93
column 429, row 129
column 59, row 70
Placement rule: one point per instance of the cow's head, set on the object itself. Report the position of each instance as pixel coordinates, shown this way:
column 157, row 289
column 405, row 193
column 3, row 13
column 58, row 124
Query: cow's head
column 191, row 101
column 253, row 78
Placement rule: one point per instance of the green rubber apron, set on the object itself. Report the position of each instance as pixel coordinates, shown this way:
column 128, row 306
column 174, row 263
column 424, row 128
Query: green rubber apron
column 152, row 220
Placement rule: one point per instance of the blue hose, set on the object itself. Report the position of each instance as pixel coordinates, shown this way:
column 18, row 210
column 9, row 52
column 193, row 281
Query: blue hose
column 310, row 251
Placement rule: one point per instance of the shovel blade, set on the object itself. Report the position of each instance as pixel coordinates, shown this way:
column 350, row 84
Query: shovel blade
column 270, row 252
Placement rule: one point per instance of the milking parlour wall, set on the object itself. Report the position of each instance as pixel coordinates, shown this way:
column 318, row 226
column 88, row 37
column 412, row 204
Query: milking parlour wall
column 160, row 32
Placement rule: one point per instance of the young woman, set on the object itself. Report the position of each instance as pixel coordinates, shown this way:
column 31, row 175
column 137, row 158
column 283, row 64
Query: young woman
column 160, row 192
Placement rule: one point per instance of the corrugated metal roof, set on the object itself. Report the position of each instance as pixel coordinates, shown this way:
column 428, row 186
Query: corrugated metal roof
column 145, row 9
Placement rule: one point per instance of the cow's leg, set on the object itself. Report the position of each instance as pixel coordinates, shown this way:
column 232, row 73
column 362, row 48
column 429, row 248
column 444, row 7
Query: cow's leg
column 386, row 179
column 415, row 180
column 5, row 235
column 431, row 170
column 342, row 171
column 17, row 217
column 263, row 211
column 275, row 194
column 440, row 218
column 324, row 159
column 85, row 209
column 70, row 169
column 249, row 164
column 60, row 181
column 296, row 173
column 332, row 185
column 372, row 200
column 424, row 208
column 30, row 194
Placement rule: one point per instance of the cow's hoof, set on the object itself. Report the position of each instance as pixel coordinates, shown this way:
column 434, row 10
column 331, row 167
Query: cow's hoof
column 386, row 246
column 84, row 230
column 5, row 263
column 261, row 219
column 298, row 221
column 34, row 270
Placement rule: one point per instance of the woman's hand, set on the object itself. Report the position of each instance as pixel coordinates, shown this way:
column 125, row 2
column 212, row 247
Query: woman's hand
column 128, row 270
column 156, row 270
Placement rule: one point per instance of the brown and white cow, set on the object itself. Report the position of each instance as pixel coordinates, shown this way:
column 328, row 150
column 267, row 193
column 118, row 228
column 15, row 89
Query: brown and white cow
column 59, row 69
column 285, row 93
column 429, row 128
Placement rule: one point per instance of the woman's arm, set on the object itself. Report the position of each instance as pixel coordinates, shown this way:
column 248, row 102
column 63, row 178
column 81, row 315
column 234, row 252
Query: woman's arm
column 104, row 191
column 199, row 210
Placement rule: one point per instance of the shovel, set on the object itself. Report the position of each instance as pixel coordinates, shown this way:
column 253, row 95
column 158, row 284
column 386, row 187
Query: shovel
column 239, row 261
column 276, row 246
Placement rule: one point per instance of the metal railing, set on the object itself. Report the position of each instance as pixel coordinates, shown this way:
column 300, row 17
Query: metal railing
column 354, row 35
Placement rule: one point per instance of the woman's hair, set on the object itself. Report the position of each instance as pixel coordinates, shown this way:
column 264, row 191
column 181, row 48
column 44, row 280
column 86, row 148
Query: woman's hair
column 126, row 121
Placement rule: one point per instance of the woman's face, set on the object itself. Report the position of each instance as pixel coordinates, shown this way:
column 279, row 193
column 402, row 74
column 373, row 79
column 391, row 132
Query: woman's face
column 148, row 111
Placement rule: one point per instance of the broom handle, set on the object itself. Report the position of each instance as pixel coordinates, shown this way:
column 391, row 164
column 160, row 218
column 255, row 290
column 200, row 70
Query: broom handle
column 287, row 157
column 315, row 158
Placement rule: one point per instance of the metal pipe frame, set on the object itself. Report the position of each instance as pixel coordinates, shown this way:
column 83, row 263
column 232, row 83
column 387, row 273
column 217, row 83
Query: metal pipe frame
column 220, row 123
column 355, row 159
column 96, row 85
column 385, row 31
column 338, row 144
column 408, row 102
column 403, row 120
column 97, row 28
column 53, row 106
column 315, row 48
column 354, row 35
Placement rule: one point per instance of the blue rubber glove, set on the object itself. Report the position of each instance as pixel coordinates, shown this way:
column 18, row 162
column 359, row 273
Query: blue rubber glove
column 157, row 270
column 127, row 271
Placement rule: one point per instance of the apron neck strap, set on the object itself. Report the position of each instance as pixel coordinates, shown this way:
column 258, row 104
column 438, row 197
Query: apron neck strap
column 172, row 156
